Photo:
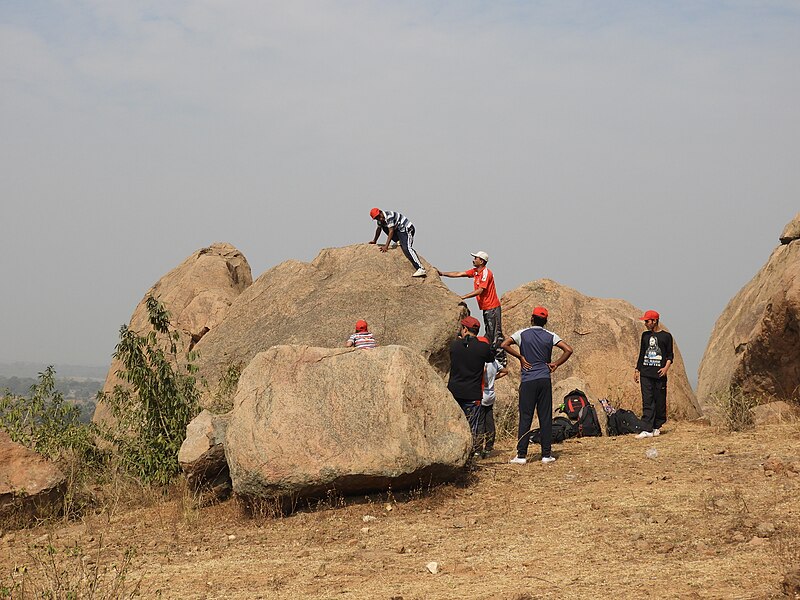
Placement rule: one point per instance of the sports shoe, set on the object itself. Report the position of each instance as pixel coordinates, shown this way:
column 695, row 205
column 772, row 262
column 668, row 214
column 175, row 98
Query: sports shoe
column 656, row 432
column 644, row 434
column 548, row 459
column 420, row 273
column 518, row 460
column 393, row 245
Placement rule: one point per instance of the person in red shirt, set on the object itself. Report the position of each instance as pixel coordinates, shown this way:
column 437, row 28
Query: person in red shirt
column 486, row 295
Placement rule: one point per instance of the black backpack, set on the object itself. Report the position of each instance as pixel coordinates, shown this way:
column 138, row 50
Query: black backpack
column 573, row 403
column 588, row 424
column 623, row 422
column 563, row 429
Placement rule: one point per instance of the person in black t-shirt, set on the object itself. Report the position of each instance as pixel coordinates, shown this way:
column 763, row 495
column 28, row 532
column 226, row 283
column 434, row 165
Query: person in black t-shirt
column 468, row 355
column 655, row 359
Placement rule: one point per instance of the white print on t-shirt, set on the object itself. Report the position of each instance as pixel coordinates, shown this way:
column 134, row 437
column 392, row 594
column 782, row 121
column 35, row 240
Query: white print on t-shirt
column 652, row 356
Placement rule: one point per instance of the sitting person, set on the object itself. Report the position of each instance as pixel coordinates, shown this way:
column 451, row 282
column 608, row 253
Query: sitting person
column 362, row 338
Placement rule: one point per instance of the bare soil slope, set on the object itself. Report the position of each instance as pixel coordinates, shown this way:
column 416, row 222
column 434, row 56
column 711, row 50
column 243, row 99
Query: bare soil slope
column 702, row 519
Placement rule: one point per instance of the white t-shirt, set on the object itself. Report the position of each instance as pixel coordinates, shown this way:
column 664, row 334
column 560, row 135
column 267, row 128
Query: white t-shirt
column 489, row 373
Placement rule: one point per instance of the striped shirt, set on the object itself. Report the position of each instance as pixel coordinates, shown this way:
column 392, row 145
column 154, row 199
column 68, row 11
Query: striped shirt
column 398, row 221
column 363, row 339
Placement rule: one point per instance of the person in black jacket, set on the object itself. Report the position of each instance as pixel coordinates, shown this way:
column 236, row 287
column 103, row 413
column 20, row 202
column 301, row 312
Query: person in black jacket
column 655, row 359
column 468, row 355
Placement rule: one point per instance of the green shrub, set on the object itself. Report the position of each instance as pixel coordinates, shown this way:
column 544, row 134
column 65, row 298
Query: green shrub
column 151, row 411
column 222, row 398
column 44, row 422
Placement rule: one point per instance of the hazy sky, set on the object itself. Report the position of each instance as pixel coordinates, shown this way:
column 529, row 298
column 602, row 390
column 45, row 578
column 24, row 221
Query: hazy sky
column 640, row 150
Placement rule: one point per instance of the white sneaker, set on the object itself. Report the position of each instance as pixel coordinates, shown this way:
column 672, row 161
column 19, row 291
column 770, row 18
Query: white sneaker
column 656, row 432
column 393, row 245
column 644, row 434
column 518, row 460
column 420, row 273
column 548, row 459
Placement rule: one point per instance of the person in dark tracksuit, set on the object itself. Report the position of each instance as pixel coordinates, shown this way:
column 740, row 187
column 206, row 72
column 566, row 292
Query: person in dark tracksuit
column 655, row 359
column 535, row 389
column 468, row 355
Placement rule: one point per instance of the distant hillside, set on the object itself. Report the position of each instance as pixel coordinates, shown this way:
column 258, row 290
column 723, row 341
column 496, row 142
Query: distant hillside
column 32, row 369
column 80, row 391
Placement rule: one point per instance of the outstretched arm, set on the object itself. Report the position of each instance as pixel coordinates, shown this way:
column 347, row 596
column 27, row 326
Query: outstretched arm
column 477, row 292
column 451, row 273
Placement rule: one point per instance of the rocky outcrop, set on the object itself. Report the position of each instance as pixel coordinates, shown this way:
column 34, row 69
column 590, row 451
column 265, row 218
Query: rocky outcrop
column 197, row 294
column 309, row 420
column 755, row 341
column 202, row 454
column 318, row 303
column 29, row 485
column 605, row 334
column 792, row 231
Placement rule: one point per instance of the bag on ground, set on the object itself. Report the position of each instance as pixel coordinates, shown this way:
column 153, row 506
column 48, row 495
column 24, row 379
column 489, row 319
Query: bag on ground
column 573, row 403
column 588, row 424
column 563, row 429
column 623, row 422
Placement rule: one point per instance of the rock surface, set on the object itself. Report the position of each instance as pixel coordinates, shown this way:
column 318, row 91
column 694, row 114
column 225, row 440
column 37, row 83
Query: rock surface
column 754, row 342
column 29, row 484
column 605, row 334
column 773, row 413
column 792, row 230
column 197, row 294
column 318, row 303
column 308, row 420
column 202, row 454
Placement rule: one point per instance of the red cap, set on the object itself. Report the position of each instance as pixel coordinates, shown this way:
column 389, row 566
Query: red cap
column 483, row 339
column 362, row 326
column 540, row 311
column 374, row 213
column 649, row 315
column 471, row 323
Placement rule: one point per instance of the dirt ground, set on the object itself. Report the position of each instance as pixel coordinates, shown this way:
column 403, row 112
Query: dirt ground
column 701, row 519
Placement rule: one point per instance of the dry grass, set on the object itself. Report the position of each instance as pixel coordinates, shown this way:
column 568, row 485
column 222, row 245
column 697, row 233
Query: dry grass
column 701, row 520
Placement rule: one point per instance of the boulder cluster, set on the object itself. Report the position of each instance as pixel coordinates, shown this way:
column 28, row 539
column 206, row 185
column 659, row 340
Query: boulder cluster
column 309, row 416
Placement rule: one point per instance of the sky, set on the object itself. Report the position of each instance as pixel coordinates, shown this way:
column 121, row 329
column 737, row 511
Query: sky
column 640, row 150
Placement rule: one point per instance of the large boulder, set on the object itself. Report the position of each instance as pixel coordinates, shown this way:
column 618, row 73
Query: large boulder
column 197, row 294
column 318, row 303
column 29, row 484
column 309, row 420
column 605, row 334
column 754, row 342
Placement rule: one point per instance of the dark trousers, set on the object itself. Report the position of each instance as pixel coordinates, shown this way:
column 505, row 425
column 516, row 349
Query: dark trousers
column 472, row 412
column 484, row 428
column 654, row 401
column 493, row 321
column 535, row 395
column 406, row 241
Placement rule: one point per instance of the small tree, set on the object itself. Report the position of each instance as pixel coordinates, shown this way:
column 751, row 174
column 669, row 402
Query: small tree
column 44, row 422
column 152, row 411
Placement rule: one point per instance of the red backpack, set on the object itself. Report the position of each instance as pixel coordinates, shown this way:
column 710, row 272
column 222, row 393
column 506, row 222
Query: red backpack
column 573, row 403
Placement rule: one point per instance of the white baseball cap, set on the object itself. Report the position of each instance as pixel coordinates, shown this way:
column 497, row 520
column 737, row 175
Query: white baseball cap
column 482, row 255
